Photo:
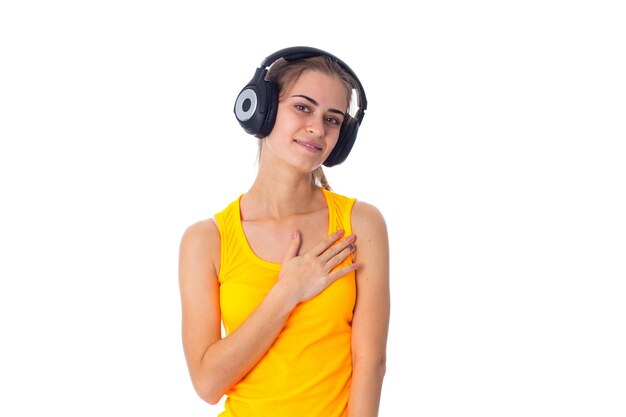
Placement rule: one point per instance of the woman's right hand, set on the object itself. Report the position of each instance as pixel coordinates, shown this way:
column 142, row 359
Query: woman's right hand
column 307, row 275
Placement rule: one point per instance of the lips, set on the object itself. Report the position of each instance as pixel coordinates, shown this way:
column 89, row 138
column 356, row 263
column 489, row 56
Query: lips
column 310, row 145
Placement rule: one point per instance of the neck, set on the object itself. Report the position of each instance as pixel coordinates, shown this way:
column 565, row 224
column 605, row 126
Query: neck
column 277, row 194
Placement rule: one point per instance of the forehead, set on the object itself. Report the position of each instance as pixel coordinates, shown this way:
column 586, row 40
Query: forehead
column 326, row 89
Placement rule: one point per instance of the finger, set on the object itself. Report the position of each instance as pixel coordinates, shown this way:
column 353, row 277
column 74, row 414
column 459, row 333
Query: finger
column 339, row 257
column 294, row 246
column 326, row 242
column 337, row 248
column 335, row 275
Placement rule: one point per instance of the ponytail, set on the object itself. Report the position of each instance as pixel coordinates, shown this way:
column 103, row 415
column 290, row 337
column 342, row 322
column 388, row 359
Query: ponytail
column 319, row 178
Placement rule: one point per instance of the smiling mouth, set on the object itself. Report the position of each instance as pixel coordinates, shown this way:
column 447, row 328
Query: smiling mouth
column 308, row 145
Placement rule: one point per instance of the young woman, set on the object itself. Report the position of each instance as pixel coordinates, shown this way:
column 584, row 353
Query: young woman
column 297, row 274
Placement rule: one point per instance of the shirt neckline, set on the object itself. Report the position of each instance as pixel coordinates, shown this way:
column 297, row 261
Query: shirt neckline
column 248, row 249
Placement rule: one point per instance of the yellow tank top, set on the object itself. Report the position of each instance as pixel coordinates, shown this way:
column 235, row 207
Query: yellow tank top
column 308, row 369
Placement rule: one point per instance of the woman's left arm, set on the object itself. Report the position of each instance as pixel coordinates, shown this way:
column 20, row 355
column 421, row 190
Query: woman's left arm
column 370, row 322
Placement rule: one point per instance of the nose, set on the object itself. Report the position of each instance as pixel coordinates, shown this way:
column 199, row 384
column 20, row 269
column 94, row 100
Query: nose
column 315, row 127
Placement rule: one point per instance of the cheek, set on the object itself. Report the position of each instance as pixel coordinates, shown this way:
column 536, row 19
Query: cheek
column 282, row 124
column 333, row 139
column 282, row 113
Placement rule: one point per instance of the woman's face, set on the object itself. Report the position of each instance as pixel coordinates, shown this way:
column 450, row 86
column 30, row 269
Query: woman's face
column 308, row 120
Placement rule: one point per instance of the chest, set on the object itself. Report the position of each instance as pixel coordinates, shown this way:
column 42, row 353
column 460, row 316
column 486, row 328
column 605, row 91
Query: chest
column 269, row 239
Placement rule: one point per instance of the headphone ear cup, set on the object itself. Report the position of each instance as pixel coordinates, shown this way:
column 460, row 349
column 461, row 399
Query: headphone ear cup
column 255, row 107
column 271, row 108
column 246, row 108
column 347, row 137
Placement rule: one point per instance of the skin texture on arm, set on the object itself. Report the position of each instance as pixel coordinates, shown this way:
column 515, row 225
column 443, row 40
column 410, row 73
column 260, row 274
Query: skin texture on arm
column 216, row 363
column 371, row 314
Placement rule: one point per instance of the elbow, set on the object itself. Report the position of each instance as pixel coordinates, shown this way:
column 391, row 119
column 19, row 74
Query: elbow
column 207, row 391
column 211, row 399
column 381, row 365
column 209, row 396
column 375, row 363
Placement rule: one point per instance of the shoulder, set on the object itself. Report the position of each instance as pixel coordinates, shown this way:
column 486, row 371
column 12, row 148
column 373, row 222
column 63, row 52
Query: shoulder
column 203, row 231
column 206, row 233
column 368, row 218
column 372, row 251
column 200, row 244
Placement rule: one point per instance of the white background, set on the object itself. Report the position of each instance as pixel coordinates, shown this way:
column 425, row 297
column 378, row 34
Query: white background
column 493, row 144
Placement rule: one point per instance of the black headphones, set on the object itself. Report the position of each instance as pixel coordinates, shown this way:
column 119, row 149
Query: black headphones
column 257, row 103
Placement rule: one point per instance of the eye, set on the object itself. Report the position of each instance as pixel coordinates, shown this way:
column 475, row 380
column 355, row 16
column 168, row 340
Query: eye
column 302, row 107
column 333, row 120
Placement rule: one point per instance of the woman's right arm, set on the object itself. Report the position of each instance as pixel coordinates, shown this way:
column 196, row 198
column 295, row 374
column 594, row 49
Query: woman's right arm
column 216, row 363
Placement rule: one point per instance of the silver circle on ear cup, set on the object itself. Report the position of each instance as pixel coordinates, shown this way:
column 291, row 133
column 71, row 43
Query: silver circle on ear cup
column 245, row 106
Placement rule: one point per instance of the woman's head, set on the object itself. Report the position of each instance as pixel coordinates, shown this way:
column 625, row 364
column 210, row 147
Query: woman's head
column 257, row 105
column 286, row 75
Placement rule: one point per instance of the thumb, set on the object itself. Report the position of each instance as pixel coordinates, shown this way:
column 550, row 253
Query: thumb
column 294, row 246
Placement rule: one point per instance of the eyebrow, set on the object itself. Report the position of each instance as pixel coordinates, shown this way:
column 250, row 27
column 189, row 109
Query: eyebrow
column 312, row 100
